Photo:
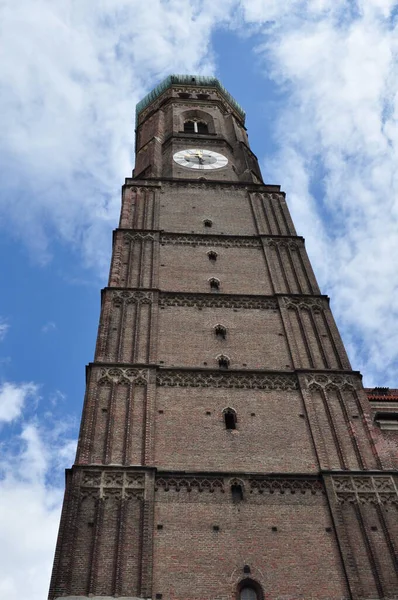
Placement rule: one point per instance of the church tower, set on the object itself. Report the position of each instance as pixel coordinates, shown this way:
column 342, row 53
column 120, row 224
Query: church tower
column 227, row 450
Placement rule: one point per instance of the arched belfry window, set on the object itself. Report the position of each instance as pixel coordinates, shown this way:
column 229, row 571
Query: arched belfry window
column 194, row 126
column 202, row 127
column 189, row 126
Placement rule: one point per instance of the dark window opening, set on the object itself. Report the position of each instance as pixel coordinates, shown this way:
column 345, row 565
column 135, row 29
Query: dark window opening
column 184, row 95
column 249, row 590
column 202, row 127
column 195, row 127
column 386, row 416
column 214, row 284
column 237, row 493
column 230, row 419
column 207, row 223
column 189, row 127
column 223, row 362
column 202, row 96
column 220, row 331
column 212, row 255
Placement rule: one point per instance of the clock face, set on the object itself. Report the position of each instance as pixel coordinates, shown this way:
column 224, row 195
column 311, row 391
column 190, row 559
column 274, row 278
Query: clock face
column 194, row 158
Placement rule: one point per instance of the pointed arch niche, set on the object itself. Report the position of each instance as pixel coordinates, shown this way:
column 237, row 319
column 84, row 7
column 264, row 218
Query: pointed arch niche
column 204, row 122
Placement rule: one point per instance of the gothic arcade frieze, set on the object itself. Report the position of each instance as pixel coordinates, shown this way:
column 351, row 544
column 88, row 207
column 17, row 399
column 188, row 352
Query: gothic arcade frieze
column 210, row 240
column 262, row 381
column 365, row 489
column 218, row 301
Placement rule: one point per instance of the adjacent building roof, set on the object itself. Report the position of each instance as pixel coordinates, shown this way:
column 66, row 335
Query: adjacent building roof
column 192, row 80
column 382, row 394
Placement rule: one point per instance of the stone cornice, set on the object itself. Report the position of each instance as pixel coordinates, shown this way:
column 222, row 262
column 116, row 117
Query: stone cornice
column 157, row 181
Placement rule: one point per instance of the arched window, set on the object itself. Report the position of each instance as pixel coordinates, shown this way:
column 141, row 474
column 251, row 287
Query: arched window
column 214, row 284
column 223, row 361
column 248, row 593
column 249, row 590
column 229, row 418
column 237, row 493
column 207, row 223
column 195, row 127
column 212, row 255
column 189, row 126
column 220, row 331
column 202, row 127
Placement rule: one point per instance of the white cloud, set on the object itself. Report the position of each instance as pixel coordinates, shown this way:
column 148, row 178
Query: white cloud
column 4, row 327
column 70, row 79
column 13, row 398
column 338, row 62
column 31, row 491
column 49, row 326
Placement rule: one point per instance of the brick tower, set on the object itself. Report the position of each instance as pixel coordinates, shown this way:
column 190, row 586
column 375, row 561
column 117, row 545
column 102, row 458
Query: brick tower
column 227, row 449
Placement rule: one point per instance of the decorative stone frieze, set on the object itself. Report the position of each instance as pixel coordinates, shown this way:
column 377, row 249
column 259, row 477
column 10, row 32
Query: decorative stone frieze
column 362, row 489
column 280, row 485
column 128, row 237
column 218, row 301
column 123, row 376
column 251, row 485
column 325, row 380
column 116, row 485
column 131, row 297
column 207, row 240
column 200, row 484
column 283, row 243
column 303, row 303
column 261, row 381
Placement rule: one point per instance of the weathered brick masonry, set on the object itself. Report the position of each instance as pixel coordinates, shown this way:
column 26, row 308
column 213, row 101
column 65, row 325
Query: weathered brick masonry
column 227, row 449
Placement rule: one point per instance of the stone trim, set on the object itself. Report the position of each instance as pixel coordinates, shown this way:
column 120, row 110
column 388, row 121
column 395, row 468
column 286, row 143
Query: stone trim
column 261, row 381
column 138, row 236
column 131, row 297
column 304, row 303
column 252, row 485
column 218, row 301
column 325, row 380
column 178, row 239
column 358, row 489
column 120, row 375
column 284, row 241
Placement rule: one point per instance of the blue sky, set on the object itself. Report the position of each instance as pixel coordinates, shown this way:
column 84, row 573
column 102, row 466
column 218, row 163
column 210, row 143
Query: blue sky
column 318, row 80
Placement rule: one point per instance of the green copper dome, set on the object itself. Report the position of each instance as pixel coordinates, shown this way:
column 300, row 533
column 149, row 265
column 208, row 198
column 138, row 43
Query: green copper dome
column 199, row 80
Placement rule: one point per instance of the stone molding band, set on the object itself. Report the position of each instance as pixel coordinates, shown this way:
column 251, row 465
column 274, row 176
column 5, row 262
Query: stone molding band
column 358, row 489
column 217, row 301
column 261, row 381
